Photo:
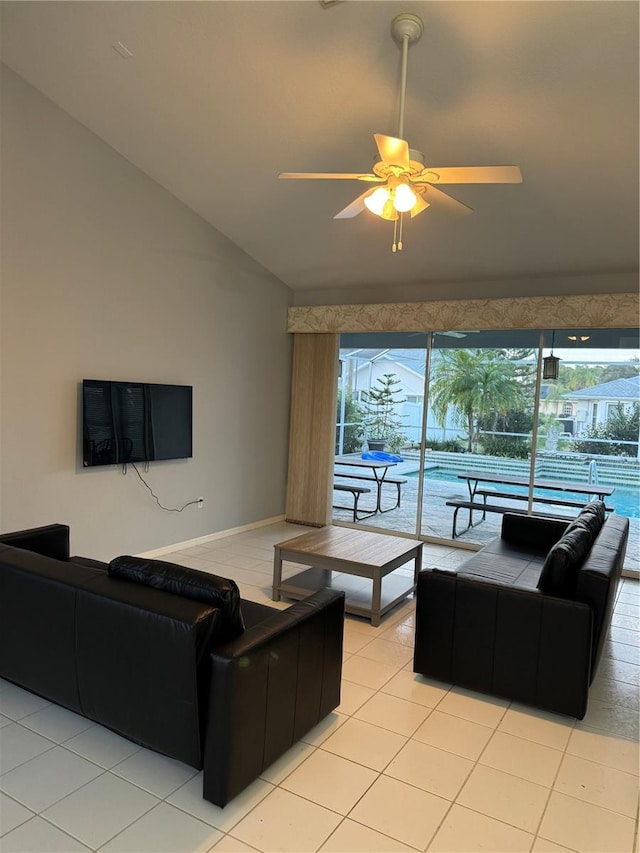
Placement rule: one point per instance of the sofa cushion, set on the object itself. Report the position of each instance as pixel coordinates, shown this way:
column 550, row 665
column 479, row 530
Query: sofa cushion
column 502, row 563
column 531, row 534
column 190, row 583
column 590, row 518
column 560, row 570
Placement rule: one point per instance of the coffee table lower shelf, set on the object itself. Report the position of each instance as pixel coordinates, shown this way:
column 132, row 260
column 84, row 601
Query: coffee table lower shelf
column 358, row 590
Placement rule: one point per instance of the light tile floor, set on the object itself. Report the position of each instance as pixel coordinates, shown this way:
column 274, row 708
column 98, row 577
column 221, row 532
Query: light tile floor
column 403, row 764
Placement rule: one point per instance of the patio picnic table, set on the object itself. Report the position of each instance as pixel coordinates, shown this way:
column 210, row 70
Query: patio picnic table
column 379, row 475
column 475, row 478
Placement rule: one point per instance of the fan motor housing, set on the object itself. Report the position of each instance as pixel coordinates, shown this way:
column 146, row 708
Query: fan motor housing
column 416, row 165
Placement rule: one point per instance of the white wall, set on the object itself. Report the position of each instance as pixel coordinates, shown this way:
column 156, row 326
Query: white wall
column 105, row 275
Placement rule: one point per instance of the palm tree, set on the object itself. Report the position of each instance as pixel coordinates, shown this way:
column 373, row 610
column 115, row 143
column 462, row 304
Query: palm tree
column 580, row 376
column 478, row 383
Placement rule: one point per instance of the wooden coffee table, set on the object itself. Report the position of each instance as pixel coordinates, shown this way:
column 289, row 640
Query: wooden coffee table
column 352, row 560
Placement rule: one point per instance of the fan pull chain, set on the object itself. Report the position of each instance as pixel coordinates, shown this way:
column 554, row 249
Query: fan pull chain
column 396, row 246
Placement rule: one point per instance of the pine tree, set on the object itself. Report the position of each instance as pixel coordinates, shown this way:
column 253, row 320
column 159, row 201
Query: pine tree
column 381, row 418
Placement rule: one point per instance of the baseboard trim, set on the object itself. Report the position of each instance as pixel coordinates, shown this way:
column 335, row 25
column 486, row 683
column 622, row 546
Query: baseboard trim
column 202, row 540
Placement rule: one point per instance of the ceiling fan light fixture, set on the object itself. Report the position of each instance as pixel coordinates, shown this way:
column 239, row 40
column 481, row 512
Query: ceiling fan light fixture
column 389, row 211
column 404, row 199
column 388, row 201
column 377, row 200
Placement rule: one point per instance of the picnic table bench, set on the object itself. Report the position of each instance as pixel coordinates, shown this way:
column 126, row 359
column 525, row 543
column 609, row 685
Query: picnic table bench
column 485, row 507
column 474, row 478
column 356, row 491
column 394, row 481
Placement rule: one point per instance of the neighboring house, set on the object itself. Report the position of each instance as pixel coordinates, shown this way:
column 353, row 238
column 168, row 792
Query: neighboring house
column 550, row 404
column 362, row 368
column 559, row 407
column 592, row 407
column 370, row 365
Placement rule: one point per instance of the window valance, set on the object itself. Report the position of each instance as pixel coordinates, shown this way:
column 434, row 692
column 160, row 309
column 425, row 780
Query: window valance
column 595, row 311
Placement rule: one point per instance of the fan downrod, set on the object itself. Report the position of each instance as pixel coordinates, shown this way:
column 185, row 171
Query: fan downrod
column 406, row 25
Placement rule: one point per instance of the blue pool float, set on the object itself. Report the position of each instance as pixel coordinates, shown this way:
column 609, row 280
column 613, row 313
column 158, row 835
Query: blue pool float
column 381, row 456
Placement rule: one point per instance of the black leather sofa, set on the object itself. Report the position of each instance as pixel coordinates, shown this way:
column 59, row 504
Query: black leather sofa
column 169, row 657
column 526, row 616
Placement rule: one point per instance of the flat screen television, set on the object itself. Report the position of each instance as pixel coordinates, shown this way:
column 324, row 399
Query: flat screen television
column 135, row 422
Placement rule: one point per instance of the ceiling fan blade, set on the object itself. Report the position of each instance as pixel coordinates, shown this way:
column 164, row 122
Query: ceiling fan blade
column 333, row 176
column 353, row 209
column 393, row 151
column 420, row 205
column 439, row 199
column 471, row 175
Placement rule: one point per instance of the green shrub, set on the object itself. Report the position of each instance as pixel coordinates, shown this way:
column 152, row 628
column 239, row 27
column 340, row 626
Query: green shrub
column 449, row 445
column 509, row 446
column 621, row 426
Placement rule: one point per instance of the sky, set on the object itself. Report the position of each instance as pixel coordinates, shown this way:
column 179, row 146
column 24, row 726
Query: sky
column 595, row 356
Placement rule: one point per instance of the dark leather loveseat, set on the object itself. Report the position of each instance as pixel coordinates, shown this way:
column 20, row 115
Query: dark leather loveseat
column 167, row 656
column 526, row 616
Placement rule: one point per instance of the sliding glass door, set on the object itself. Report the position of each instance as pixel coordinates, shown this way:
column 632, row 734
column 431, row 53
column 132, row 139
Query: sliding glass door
column 438, row 434
column 381, row 393
column 482, row 388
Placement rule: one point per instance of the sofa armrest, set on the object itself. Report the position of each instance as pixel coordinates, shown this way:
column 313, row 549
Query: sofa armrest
column 49, row 541
column 268, row 688
column 530, row 531
column 517, row 643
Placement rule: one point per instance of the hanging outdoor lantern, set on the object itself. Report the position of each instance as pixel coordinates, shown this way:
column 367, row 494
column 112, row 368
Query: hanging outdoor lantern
column 551, row 364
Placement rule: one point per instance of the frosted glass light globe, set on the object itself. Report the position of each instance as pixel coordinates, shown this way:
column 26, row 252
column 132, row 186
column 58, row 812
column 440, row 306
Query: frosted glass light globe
column 405, row 198
column 377, row 200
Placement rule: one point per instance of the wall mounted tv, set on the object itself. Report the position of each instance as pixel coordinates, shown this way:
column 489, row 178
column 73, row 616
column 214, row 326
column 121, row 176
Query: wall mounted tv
column 135, row 422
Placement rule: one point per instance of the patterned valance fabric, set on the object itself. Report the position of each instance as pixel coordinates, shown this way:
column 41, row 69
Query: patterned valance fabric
column 599, row 311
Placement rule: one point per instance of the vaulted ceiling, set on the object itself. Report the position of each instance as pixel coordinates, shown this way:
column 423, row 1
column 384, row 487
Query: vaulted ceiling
column 217, row 98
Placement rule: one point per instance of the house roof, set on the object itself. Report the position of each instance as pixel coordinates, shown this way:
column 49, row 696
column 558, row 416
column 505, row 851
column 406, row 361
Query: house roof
column 413, row 359
column 617, row 389
column 213, row 100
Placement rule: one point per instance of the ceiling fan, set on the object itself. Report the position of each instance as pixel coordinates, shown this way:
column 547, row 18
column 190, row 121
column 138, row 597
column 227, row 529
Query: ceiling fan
column 448, row 334
column 405, row 185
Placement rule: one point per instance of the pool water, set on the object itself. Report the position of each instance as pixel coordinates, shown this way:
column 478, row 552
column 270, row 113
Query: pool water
column 625, row 500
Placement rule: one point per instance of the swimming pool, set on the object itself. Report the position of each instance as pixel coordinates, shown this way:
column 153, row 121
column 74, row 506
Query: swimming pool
column 625, row 501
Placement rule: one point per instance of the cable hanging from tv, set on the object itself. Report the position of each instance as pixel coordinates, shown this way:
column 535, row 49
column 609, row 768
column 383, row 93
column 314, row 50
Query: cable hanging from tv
column 153, row 495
